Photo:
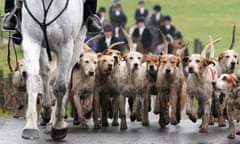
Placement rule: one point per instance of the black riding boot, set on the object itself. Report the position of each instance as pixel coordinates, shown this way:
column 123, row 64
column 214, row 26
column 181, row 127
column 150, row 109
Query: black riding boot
column 9, row 23
column 92, row 20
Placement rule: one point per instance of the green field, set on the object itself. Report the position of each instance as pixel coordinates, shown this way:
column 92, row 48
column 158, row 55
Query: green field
column 194, row 18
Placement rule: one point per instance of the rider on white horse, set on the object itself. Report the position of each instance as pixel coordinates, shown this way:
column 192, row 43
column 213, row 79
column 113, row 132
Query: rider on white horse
column 10, row 21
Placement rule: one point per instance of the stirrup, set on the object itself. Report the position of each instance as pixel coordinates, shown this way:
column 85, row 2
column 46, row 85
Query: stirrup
column 93, row 24
column 11, row 26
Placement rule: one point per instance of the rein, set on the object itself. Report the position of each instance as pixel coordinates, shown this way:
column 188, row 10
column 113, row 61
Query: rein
column 9, row 53
column 43, row 25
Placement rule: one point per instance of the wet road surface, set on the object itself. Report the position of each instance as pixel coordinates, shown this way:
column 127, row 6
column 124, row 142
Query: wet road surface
column 184, row 133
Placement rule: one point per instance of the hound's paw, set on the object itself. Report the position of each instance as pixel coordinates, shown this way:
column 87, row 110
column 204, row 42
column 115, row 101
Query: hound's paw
column 105, row 124
column 123, row 125
column 162, row 123
column 174, row 122
column 203, row 130
column 133, row 118
column 115, row 123
column 231, row 136
column 222, row 124
column 192, row 118
column 139, row 118
column 145, row 123
column 97, row 126
column 76, row 122
column 238, row 132
column 156, row 112
column 84, row 126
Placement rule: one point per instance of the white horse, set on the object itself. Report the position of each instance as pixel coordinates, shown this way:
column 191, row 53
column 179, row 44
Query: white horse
column 65, row 36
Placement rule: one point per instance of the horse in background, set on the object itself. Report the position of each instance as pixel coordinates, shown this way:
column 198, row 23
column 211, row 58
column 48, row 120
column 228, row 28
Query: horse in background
column 65, row 38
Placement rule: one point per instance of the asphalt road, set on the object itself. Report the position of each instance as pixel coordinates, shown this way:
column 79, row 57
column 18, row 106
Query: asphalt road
column 185, row 133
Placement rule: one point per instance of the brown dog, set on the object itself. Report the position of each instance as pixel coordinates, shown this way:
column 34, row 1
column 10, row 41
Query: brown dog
column 115, row 93
column 199, row 85
column 228, row 59
column 82, row 85
column 227, row 85
column 102, row 89
column 132, row 76
column 170, row 84
column 152, row 64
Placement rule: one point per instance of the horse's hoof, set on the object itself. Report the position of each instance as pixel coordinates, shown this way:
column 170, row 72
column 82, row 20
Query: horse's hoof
column 238, row 133
column 30, row 134
column 58, row 134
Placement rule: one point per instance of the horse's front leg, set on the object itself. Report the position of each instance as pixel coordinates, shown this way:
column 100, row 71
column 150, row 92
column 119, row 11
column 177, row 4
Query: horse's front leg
column 46, row 100
column 34, row 85
column 60, row 89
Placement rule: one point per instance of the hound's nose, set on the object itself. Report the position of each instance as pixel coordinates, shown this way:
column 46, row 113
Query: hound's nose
column 110, row 66
column 151, row 67
column 136, row 65
column 214, row 84
column 190, row 69
column 168, row 71
column 24, row 73
column 115, row 58
column 233, row 64
column 91, row 73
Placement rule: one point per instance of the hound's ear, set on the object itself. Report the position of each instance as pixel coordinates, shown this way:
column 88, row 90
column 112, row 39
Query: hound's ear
column 121, row 54
column 144, row 57
column 221, row 56
column 125, row 57
column 99, row 55
column 81, row 55
column 160, row 57
column 17, row 66
column 105, row 51
column 185, row 59
column 237, row 77
column 207, row 62
column 178, row 61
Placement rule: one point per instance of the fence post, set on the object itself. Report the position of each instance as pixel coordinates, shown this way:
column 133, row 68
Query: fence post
column 1, row 32
column 198, row 46
column 1, row 89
